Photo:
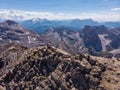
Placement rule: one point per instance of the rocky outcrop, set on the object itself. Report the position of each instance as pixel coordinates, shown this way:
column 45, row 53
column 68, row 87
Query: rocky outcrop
column 49, row 68
column 9, row 57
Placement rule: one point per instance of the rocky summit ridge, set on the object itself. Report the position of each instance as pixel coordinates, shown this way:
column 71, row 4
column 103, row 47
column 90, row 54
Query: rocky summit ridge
column 49, row 68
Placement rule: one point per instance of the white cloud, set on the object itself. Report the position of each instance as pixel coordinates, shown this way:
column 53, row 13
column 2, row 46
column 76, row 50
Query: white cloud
column 25, row 15
column 116, row 9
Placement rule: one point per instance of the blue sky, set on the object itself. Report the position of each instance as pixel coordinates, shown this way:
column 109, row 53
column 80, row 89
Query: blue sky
column 73, row 6
column 64, row 6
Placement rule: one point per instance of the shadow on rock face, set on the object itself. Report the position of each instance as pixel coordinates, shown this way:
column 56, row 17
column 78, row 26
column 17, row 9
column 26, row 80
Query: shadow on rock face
column 1, row 63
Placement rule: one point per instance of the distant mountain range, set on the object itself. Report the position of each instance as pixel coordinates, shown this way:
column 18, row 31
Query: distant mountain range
column 96, row 40
column 41, row 25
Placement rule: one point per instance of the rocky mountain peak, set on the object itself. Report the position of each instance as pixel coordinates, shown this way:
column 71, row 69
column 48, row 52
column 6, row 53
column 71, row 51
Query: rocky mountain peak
column 10, row 22
column 11, row 25
column 11, row 31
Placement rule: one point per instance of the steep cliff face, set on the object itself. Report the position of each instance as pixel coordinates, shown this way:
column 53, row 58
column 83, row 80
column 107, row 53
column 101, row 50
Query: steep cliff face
column 91, row 39
column 49, row 68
